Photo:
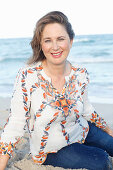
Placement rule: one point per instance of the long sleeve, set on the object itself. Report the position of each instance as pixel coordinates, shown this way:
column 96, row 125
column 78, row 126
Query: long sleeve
column 90, row 114
column 19, row 113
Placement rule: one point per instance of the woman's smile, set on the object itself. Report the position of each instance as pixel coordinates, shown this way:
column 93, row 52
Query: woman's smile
column 57, row 55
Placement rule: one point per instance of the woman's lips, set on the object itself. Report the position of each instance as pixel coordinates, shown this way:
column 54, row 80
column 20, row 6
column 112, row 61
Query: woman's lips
column 57, row 55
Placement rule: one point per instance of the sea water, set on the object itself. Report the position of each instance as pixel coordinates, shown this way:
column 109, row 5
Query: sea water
column 94, row 52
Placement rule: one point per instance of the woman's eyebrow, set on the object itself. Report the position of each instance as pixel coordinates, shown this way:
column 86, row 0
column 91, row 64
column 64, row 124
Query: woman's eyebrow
column 46, row 38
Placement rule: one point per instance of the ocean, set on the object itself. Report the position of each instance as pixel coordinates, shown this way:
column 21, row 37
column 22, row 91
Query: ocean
column 94, row 52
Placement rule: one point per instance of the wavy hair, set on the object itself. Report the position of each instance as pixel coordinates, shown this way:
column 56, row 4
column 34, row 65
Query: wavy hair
column 51, row 17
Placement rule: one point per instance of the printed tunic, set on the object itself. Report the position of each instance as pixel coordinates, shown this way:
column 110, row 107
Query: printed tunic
column 54, row 119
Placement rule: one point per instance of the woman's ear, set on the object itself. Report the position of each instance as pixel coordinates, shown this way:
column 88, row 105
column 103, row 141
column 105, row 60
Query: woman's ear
column 71, row 42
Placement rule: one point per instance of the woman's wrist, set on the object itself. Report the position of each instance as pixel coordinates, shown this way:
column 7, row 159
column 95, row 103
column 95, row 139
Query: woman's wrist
column 3, row 161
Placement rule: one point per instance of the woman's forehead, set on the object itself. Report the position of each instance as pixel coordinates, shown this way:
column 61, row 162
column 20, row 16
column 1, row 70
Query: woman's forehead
column 54, row 29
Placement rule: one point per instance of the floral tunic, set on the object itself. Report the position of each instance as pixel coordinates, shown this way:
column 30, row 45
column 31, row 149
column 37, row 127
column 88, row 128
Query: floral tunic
column 54, row 119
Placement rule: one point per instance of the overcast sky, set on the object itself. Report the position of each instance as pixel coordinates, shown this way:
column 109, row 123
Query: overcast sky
column 18, row 17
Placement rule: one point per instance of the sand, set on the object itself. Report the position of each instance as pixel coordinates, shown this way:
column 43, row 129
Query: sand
column 21, row 159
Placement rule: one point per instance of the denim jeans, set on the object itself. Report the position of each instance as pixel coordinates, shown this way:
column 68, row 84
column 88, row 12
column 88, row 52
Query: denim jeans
column 92, row 155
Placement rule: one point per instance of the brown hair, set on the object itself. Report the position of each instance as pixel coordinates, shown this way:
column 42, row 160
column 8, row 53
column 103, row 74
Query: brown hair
column 51, row 17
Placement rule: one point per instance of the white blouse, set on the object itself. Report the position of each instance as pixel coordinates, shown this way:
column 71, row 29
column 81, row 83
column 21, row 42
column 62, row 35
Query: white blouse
column 54, row 119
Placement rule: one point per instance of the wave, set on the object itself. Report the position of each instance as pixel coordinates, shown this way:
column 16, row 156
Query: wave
column 6, row 84
column 100, row 53
column 17, row 59
column 84, row 40
column 110, row 87
column 93, row 60
column 102, row 100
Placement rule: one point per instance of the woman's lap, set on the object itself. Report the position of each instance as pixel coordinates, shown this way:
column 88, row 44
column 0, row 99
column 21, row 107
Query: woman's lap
column 79, row 156
column 82, row 155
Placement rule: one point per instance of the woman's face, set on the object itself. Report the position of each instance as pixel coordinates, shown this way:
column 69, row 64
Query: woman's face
column 55, row 43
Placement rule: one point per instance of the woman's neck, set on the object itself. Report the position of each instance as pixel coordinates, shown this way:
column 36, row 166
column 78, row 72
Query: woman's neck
column 53, row 70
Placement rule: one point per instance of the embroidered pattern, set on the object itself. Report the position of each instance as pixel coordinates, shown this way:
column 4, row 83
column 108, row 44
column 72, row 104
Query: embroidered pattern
column 98, row 120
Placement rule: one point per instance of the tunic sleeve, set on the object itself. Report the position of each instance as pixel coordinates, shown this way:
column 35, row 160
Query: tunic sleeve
column 19, row 113
column 90, row 114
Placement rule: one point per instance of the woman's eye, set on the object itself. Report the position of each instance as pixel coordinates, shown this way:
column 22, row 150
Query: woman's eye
column 61, row 39
column 46, row 41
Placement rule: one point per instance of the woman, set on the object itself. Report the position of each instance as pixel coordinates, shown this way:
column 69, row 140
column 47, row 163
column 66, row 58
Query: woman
column 50, row 98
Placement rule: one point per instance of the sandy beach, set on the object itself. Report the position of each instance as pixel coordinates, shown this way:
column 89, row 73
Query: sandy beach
column 21, row 159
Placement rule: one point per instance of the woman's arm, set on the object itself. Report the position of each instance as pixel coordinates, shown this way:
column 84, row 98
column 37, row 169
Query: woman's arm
column 3, row 161
column 90, row 114
column 14, row 128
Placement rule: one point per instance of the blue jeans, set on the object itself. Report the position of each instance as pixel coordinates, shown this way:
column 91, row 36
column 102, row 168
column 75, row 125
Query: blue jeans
column 92, row 155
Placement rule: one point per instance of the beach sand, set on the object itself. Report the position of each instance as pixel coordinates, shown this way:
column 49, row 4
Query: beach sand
column 21, row 158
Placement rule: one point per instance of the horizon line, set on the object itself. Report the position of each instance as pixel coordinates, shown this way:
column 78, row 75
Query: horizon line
column 75, row 35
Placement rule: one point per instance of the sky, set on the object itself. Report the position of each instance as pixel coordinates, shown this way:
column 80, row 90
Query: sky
column 18, row 17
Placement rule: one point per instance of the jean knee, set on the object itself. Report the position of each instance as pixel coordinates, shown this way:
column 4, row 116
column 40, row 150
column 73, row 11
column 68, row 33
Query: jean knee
column 106, row 163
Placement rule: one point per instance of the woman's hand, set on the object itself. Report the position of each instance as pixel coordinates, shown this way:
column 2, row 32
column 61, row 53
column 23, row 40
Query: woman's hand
column 109, row 131
column 3, row 161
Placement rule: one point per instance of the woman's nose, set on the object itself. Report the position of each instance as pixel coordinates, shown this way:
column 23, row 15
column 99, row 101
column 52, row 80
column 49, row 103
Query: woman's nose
column 55, row 46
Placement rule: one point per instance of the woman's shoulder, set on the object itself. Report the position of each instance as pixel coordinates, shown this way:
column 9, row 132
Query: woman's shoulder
column 30, row 69
column 79, row 68
column 80, row 72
